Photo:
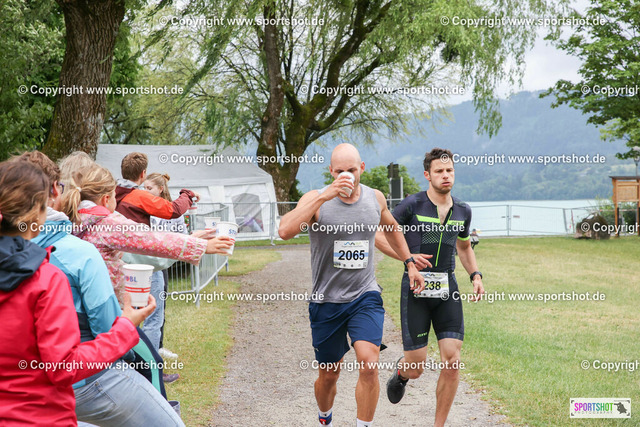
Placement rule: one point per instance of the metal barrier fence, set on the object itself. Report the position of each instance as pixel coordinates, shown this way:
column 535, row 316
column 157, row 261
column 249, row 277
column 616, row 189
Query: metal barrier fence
column 188, row 278
column 260, row 221
column 496, row 220
column 523, row 220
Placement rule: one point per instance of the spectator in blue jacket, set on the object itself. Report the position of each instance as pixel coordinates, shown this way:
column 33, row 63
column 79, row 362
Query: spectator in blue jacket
column 136, row 400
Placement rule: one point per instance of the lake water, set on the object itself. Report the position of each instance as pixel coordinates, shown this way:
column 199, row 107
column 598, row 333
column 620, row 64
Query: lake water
column 529, row 217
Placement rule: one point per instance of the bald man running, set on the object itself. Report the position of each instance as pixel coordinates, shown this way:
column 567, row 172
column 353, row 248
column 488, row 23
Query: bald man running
column 347, row 297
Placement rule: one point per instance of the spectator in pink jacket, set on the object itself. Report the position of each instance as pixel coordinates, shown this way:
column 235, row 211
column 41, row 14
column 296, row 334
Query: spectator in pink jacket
column 40, row 351
column 90, row 202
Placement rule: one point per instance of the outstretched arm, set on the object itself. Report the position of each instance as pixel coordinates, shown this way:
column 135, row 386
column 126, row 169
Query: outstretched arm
column 129, row 236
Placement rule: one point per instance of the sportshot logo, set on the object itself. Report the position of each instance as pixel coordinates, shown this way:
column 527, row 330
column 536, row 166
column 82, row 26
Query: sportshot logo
column 600, row 407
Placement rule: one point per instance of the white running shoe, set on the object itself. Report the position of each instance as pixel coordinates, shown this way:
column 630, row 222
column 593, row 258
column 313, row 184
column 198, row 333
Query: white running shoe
column 167, row 354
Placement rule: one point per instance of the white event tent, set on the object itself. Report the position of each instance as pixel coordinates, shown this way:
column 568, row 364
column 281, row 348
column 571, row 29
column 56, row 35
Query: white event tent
column 230, row 184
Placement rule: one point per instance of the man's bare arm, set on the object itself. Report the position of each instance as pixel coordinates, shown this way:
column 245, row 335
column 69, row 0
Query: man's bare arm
column 467, row 256
column 304, row 212
column 422, row 260
column 293, row 223
column 384, row 246
column 468, row 260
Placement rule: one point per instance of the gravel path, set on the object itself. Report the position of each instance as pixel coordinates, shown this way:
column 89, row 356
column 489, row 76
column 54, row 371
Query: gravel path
column 267, row 385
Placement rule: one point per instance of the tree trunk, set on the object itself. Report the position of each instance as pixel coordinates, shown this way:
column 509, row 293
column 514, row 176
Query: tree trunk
column 284, row 179
column 270, row 128
column 91, row 30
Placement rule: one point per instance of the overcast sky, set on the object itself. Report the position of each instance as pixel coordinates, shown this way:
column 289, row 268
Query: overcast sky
column 545, row 64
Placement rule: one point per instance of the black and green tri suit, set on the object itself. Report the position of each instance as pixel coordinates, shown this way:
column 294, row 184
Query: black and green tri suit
column 426, row 235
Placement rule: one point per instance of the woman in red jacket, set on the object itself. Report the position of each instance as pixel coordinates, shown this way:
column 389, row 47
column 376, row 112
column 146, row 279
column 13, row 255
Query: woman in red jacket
column 40, row 351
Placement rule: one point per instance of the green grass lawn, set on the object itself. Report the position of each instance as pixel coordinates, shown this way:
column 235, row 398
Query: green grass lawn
column 527, row 355
column 298, row 240
column 246, row 260
column 202, row 338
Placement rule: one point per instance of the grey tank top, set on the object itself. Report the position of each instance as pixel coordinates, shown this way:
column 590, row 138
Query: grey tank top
column 343, row 236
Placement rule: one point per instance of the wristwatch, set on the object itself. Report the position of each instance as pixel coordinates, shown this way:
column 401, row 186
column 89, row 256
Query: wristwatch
column 408, row 260
column 474, row 275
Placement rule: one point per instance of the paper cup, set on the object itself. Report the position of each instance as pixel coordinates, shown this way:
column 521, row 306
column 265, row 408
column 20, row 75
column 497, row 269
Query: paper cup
column 346, row 191
column 211, row 221
column 137, row 281
column 225, row 228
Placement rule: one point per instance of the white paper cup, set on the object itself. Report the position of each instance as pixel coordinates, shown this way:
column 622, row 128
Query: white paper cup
column 225, row 228
column 211, row 221
column 137, row 281
column 346, row 191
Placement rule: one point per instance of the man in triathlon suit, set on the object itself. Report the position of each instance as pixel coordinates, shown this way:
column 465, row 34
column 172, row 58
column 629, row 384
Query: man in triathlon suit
column 435, row 223
column 343, row 218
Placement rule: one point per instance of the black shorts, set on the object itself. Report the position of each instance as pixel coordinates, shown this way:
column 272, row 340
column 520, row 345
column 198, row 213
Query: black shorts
column 417, row 314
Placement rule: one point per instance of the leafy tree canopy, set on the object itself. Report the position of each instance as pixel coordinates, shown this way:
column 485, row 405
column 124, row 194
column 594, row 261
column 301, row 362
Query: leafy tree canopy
column 609, row 92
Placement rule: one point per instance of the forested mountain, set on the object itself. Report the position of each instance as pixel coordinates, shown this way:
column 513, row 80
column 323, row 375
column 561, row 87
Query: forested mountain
column 530, row 127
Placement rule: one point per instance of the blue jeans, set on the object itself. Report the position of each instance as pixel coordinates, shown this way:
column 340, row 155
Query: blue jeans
column 153, row 324
column 122, row 397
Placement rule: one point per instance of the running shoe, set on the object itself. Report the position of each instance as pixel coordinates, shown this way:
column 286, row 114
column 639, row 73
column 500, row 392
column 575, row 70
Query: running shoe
column 325, row 421
column 167, row 354
column 169, row 378
column 396, row 386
